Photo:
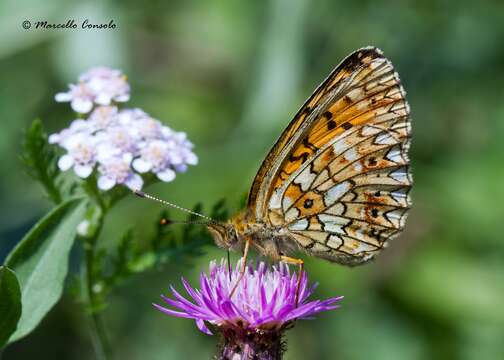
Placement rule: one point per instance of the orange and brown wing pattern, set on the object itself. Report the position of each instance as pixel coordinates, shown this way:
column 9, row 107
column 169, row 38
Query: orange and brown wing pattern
column 357, row 201
column 339, row 182
column 343, row 100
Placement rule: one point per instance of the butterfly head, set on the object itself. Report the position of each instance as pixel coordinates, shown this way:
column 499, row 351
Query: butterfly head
column 224, row 234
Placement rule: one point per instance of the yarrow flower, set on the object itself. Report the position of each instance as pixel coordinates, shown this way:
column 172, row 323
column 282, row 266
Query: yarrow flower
column 81, row 154
column 99, row 85
column 116, row 170
column 120, row 144
column 254, row 318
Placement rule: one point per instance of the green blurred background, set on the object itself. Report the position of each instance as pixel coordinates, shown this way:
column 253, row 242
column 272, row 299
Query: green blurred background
column 232, row 74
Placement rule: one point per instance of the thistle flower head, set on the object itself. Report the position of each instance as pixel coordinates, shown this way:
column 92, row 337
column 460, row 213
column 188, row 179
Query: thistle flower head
column 265, row 298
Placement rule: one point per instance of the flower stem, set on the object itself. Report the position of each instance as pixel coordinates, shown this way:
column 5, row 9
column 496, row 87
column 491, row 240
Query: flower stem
column 99, row 337
column 98, row 334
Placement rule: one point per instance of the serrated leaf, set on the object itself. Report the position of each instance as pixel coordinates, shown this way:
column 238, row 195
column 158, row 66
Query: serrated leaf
column 10, row 303
column 40, row 160
column 220, row 211
column 40, row 261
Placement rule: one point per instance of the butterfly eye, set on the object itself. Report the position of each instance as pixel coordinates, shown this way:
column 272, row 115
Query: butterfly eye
column 232, row 236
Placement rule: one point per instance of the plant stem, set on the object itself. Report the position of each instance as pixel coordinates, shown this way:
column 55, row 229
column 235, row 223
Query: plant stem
column 99, row 337
column 98, row 333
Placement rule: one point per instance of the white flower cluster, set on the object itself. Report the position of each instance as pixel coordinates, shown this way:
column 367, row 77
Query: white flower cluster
column 100, row 85
column 120, row 144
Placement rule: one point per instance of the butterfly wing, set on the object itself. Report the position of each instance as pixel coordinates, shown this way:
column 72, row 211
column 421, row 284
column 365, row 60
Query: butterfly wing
column 338, row 177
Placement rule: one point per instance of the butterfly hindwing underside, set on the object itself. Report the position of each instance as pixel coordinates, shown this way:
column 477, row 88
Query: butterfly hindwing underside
column 338, row 178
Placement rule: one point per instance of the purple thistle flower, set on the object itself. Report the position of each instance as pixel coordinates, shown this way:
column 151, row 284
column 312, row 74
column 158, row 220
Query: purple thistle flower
column 252, row 321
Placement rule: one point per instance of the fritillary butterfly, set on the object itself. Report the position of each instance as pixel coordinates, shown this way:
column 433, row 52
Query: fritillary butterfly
column 335, row 185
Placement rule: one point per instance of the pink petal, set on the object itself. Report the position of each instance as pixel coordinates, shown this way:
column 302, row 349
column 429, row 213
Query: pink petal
column 202, row 327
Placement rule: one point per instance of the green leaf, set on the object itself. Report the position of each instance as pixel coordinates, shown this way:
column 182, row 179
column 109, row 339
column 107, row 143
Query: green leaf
column 40, row 160
column 220, row 212
column 10, row 303
column 40, row 261
column 142, row 263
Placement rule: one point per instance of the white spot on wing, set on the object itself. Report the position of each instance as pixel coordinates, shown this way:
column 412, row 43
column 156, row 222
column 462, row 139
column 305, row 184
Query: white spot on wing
column 370, row 130
column 336, row 192
column 305, row 178
column 333, row 228
column 336, row 209
column 299, row 225
column 397, row 217
column 351, row 154
column 357, row 166
column 292, row 214
column 334, row 241
column 286, row 202
column 400, row 175
column 395, row 154
column 340, row 146
column 326, row 218
column 385, row 139
column 274, row 202
column 323, row 176
column 399, row 195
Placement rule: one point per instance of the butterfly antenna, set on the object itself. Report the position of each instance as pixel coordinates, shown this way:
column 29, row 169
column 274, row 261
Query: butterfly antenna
column 167, row 203
column 165, row 221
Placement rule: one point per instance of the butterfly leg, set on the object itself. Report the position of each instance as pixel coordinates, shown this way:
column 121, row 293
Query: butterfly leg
column 299, row 262
column 244, row 266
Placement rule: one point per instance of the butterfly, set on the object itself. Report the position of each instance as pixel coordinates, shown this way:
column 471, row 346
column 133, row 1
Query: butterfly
column 335, row 185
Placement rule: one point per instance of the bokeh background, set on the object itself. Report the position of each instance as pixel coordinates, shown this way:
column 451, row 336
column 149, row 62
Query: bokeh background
column 232, row 74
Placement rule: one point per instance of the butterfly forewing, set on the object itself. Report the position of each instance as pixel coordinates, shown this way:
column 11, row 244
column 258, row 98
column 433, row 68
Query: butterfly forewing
column 338, row 177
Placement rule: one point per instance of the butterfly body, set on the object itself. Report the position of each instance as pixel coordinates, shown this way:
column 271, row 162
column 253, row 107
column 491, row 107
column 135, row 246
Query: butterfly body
column 270, row 241
column 336, row 183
